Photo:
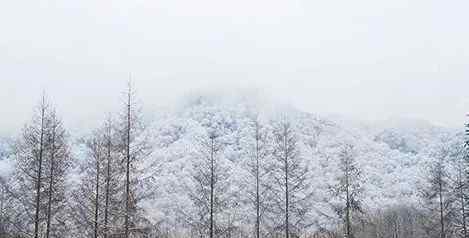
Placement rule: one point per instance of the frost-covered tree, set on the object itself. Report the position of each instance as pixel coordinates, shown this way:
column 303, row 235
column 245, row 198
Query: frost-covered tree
column 6, row 211
column 401, row 221
column 209, row 191
column 459, row 185
column 6, row 200
column 88, row 196
column 348, row 188
column 438, row 197
column 289, row 187
column 95, row 201
column 30, row 158
column 258, row 144
column 466, row 141
column 460, row 156
column 111, row 177
column 133, row 145
column 59, row 161
column 38, row 185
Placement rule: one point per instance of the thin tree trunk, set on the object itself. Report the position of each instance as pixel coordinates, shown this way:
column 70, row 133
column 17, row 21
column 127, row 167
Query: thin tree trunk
column 287, row 232
column 127, row 173
column 257, row 183
column 211, row 186
column 347, row 211
column 51, row 182
column 442, row 223
column 96, row 202
column 463, row 205
column 2, row 213
column 39, row 171
column 108, row 179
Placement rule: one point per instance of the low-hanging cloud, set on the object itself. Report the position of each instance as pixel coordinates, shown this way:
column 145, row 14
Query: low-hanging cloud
column 366, row 59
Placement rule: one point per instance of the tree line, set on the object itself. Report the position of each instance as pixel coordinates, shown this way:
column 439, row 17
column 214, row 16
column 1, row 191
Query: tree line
column 37, row 201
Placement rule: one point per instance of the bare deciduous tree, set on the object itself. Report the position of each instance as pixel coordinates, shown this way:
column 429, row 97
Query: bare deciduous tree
column 437, row 196
column 348, row 188
column 290, row 195
column 210, row 190
column 42, row 160
column 58, row 157
column 259, row 151
column 96, row 200
column 133, row 145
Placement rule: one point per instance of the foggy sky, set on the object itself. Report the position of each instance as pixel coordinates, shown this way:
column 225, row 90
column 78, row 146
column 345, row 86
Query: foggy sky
column 366, row 59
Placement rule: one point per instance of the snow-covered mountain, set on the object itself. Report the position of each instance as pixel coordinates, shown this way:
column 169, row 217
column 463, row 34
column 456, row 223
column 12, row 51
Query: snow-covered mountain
column 392, row 154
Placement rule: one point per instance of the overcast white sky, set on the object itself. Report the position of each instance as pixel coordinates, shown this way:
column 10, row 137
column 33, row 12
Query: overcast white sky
column 367, row 59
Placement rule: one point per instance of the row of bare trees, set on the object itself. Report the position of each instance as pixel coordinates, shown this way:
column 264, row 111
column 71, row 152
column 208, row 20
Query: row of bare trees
column 106, row 200
column 42, row 159
column 277, row 186
column 444, row 200
column 41, row 200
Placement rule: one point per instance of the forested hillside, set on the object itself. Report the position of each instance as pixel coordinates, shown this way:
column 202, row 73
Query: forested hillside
column 228, row 166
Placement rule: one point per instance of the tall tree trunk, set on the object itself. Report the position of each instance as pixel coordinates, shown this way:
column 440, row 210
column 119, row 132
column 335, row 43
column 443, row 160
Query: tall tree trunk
column 442, row 223
column 463, row 202
column 211, row 184
column 39, row 171
column 96, row 202
column 2, row 213
column 287, row 232
column 257, row 183
column 347, row 209
column 108, row 180
column 51, row 182
column 127, row 172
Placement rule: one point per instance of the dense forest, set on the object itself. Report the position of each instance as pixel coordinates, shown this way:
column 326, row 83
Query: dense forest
column 221, row 167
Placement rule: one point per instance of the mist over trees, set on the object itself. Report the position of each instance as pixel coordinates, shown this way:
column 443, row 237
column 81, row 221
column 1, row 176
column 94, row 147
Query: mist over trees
column 218, row 169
